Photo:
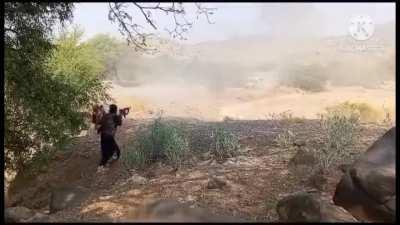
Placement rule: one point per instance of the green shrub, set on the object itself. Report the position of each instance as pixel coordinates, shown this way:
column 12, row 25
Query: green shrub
column 224, row 145
column 162, row 142
column 138, row 152
column 45, row 99
column 367, row 112
column 175, row 148
column 285, row 117
column 285, row 139
column 340, row 123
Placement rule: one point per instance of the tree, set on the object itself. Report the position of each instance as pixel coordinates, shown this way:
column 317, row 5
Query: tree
column 136, row 33
column 110, row 50
column 27, row 45
column 48, row 83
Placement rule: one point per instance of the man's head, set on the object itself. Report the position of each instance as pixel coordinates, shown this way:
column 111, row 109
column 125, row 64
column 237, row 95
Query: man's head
column 113, row 108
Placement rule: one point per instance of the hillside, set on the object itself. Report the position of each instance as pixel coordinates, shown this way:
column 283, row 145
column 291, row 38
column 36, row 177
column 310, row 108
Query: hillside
column 255, row 179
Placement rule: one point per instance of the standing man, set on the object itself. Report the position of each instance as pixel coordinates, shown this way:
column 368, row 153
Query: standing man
column 107, row 130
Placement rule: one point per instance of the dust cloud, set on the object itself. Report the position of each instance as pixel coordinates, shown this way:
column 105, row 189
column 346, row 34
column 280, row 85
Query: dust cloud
column 298, row 65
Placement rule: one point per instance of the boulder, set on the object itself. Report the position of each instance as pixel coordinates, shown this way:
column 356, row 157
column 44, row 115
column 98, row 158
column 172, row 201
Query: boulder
column 65, row 197
column 309, row 207
column 174, row 211
column 38, row 217
column 215, row 183
column 368, row 187
column 17, row 214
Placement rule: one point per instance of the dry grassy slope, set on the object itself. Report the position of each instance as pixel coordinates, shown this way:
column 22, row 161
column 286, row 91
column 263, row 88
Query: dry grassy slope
column 256, row 180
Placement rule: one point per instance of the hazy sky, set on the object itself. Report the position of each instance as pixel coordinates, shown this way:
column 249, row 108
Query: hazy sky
column 242, row 19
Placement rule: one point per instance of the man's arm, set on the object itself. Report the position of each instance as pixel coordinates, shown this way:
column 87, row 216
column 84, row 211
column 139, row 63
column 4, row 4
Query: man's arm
column 118, row 120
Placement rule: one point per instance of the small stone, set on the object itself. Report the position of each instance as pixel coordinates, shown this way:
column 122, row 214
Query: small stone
column 103, row 198
column 229, row 162
column 213, row 163
column 17, row 214
column 134, row 192
column 204, row 163
column 196, row 174
column 190, row 198
column 136, row 179
column 242, row 158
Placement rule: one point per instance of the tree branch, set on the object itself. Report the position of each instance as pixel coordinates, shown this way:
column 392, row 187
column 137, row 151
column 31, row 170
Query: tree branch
column 130, row 29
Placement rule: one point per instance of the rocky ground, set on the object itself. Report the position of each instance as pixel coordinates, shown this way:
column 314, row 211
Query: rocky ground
column 247, row 186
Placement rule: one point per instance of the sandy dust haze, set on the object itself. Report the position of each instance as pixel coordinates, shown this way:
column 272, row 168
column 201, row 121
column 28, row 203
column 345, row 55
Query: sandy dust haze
column 253, row 76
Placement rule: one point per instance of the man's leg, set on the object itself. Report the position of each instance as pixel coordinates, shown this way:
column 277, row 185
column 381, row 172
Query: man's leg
column 106, row 149
column 116, row 148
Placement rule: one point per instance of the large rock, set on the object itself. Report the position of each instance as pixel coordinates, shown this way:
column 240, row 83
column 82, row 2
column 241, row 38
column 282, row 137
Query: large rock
column 38, row 217
column 307, row 207
column 17, row 214
column 216, row 183
column 65, row 197
column 368, row 187
column 173, row 211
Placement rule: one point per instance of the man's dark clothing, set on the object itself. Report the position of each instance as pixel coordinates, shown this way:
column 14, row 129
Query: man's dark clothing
column 109, row 124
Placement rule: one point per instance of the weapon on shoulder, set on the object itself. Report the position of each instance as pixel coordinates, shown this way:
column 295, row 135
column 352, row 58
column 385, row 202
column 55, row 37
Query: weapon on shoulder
column 125, row 111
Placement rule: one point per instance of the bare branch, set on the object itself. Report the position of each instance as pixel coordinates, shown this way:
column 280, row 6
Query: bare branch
column 135, row 33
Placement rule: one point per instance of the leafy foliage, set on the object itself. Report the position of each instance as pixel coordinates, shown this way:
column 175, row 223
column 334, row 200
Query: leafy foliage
column 161, row 142
column 48, row 84
column 340, row 124
column 225, row 144
column 109, row 50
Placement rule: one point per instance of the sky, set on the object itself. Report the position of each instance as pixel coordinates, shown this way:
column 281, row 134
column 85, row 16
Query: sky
column 233, row 20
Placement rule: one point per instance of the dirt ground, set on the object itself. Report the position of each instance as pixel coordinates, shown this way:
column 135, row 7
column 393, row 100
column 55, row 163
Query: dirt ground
column 196, row 101
column 256, row 179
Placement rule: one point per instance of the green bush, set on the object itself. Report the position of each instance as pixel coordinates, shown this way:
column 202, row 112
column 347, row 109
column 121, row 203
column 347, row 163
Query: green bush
column 340, row 123
column 224, row 144
column 162, row 142
column 285, row 139
column 367, row 112
column 46, row 94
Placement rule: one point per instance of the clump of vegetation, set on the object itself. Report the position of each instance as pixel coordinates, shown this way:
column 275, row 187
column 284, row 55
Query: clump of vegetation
column 284, row 117
column 285, row 139
column 341, row 124
column 224, row 144
column 367, row 112
column 311, row 78
column 161, row 142
column 228, row 118
column 45, row 99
